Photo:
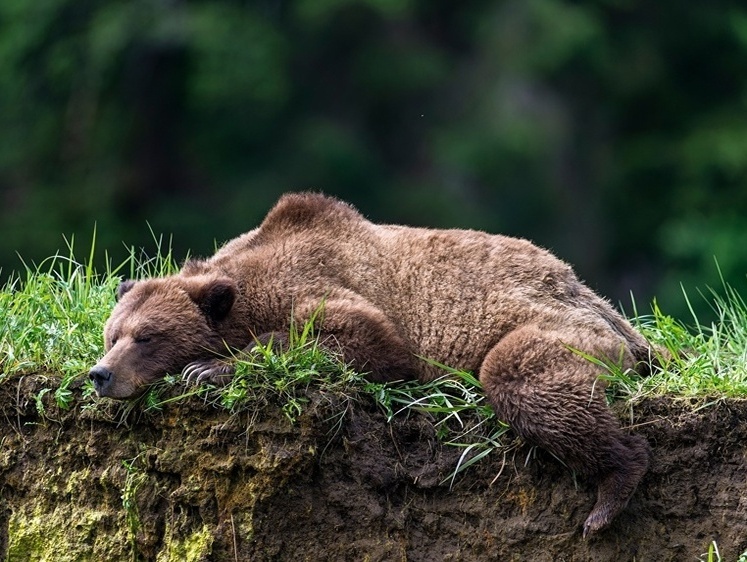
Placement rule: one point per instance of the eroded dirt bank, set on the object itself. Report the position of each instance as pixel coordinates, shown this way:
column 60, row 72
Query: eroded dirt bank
column 193, row 483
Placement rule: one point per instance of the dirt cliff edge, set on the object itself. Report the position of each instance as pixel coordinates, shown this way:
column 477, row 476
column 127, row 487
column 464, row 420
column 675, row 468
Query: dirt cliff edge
column 192, row 482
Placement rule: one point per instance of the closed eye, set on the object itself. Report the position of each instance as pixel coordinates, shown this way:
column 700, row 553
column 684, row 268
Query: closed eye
column 143, row 339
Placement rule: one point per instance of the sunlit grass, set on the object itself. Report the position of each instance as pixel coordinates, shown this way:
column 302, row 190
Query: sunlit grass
column 52, row 318
column 696, row 360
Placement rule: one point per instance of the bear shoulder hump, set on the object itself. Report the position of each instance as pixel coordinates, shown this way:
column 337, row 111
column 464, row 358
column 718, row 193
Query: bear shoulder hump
column 295, row 211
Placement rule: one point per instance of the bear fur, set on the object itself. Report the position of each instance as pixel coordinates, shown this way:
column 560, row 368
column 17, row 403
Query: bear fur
column 390, row 296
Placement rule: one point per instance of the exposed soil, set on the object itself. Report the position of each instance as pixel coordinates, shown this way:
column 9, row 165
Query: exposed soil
column 200, row 484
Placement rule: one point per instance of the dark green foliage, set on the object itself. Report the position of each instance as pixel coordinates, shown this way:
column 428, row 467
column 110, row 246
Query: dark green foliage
column 612, row 132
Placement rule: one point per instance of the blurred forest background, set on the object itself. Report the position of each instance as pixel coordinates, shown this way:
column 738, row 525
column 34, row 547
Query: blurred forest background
column 613, row 132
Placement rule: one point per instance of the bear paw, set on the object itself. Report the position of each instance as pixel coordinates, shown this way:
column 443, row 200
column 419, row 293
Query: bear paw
column 596, row 521
column 210, row 371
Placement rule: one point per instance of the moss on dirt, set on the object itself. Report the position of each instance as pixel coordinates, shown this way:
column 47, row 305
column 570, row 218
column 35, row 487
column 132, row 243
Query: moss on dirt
column 208, row 485
column 65, row 534
column 190, row 548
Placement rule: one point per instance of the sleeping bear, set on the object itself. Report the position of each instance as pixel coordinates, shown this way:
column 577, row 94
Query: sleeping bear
column 391, row 296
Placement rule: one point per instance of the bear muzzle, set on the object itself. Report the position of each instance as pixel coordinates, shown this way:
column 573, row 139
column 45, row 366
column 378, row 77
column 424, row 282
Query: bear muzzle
column 102, row 379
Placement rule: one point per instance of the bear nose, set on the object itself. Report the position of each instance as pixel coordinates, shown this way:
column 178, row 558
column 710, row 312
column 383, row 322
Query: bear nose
column 100, row 375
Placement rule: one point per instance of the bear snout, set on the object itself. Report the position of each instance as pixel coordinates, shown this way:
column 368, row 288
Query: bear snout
column 101, row 377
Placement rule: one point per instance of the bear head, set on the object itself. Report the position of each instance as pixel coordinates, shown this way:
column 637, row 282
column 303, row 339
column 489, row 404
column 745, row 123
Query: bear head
column 157, row 327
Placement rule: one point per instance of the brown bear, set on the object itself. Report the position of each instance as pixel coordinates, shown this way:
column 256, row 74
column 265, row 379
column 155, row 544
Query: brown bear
column 390, row 296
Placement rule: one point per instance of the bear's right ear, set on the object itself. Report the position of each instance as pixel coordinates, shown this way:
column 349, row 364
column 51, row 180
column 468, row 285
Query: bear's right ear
column 215, row 297
column 124, row 288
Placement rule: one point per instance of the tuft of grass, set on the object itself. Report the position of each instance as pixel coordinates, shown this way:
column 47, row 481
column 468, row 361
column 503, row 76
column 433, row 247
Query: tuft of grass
column 52, row 320
column 706, row 361
column 713, row 554
column 134, row 479
column 459, row 411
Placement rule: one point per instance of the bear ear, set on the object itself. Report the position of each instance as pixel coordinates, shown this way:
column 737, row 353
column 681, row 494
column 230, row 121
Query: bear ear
column 215, row 297
column 123, row 288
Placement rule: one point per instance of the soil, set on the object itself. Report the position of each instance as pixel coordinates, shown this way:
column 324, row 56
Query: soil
column 192, row 482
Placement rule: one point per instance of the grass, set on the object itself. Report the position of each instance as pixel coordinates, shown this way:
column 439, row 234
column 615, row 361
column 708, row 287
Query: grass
column 695, row 359
column 135, row 478
column 713, row 554
column 52, row 321
column 458, row 409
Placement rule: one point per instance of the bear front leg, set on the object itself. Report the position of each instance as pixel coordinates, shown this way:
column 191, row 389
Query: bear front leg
column 551, row 397
column 347, row 325
column 219, row 371
column 363, row 335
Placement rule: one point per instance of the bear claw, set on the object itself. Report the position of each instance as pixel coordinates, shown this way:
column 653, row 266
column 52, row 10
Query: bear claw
column 210, row 371
column 593, row 524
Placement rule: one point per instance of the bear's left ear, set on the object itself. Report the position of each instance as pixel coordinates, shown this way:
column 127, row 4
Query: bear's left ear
column 124, row 287
column 214, row 297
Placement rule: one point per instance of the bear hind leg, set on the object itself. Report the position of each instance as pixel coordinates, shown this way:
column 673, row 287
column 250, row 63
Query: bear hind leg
column 616, row 487
column 551, row 397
